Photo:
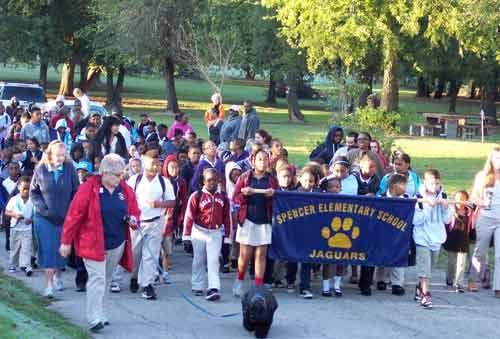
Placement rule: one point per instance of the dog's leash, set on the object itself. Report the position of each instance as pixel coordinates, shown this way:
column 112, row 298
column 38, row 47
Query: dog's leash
column 179, row 291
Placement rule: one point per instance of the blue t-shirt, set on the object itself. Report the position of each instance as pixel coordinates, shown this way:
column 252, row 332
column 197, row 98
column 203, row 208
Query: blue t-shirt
column 113, row 211
column 256, row 208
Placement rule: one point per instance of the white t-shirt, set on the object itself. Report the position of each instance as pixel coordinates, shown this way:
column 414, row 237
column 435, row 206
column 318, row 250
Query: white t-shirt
column 16, row 204
column 126, row 135
column 9, row 185
column 84, row 99
column 148, row 191
column 4, row 125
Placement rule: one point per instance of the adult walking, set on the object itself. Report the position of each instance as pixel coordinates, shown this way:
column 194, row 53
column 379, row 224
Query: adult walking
column 486, row 194
column 216, row 107
column 54, row 184
column 231, row 126
column 250, row 122
column 97, row 224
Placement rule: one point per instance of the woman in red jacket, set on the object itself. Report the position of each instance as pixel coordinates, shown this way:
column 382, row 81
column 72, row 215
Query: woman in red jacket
column 97, row 223
column 253, row 193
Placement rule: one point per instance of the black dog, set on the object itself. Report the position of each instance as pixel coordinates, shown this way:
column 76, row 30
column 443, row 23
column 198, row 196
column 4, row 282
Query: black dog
column 258, row 305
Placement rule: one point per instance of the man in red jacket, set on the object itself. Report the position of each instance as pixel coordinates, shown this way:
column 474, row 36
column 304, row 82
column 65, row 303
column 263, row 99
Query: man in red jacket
column 97, row 224
column 207, row 220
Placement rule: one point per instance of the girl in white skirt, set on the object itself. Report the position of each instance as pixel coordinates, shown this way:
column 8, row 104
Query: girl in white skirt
column 254, row 229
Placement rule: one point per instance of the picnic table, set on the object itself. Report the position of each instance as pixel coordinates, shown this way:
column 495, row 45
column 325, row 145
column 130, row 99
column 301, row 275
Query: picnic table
column 451, row 125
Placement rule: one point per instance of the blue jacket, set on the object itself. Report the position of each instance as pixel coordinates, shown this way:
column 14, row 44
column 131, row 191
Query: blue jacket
column 410, row 190
column 51, row 199
column 249, row 125
column 198, row 172
column 327, row 149
column 230, row 128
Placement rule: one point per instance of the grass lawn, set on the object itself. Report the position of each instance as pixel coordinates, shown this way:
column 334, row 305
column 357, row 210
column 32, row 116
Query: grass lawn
column 458, row 160
column 23, row 314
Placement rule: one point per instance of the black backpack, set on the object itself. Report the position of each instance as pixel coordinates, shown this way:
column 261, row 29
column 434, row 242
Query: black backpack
column 160, row 177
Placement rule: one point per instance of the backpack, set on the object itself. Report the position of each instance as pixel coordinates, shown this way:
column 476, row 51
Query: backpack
column 162, row 183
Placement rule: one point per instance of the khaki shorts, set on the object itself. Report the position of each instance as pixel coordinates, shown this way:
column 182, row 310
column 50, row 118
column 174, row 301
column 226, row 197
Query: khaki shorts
column 167, row 245
column 426, row 260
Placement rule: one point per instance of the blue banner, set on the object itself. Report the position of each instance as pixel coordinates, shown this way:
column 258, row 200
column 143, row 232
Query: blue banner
column 332, row 228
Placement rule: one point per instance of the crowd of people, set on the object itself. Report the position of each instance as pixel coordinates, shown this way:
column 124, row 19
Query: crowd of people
column 106, row 195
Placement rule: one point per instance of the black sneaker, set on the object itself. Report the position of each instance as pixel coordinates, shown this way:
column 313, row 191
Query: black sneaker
column 366, row 292
column 226, row 268
column 148, row 292
column 418, row 293
column 134, row 285
column 198, row 293
column 398, row 290
column 213, row 295
column 29, row 272
column 381, row 286
column 97, row 328
column 327, row 294
column 449, row 282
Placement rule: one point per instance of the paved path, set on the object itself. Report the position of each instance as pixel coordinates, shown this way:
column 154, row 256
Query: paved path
column 352, row 316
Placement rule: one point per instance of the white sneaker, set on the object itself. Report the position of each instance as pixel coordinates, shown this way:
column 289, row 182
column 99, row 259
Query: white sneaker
column 49, row 292
column 115, row 287
column 12, row 269
column 58, row 284
column 237, row 288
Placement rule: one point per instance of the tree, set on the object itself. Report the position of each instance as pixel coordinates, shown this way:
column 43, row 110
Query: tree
column 151, row 31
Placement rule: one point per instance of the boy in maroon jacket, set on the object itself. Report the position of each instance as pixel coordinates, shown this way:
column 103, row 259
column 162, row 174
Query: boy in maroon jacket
column 207, row 219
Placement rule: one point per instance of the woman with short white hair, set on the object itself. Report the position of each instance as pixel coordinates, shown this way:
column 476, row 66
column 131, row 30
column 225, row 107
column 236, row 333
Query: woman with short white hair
column 98, row 224
column 215, row 112
column 54, row 184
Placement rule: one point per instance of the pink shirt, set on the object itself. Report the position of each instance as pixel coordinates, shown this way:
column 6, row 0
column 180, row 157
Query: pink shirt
column 185, row 128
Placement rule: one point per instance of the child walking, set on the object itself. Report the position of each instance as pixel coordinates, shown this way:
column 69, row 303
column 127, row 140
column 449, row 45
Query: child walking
column 457, row 242
column 206, row 222
column 20, row 210
column 429, row 232
column 174, row 215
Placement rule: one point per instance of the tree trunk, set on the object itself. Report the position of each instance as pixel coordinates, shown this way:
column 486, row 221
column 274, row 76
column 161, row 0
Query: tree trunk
column 249, row 73
column 93, row 74
column 472, row 94
column 67, row 77
column 438, row 93
column 390, row 90
column 271, row 91
column 422, row 88
column 110, row 87
column 117, row 94
column 453, row 93
column 42, row 79
column 489, row 97
column 294, row 113
column 172, row 104
column 83, row 75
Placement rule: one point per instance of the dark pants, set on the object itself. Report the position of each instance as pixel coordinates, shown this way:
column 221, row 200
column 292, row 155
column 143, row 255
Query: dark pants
column 268, row 274
column 305, row 276
column 366, row 277
column 7, row 237
column 225, row 251
column 291, row 272
column 81, row 272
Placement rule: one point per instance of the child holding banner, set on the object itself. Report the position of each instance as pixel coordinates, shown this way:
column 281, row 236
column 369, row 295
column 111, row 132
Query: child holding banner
column 309, row 182
column 429, row 232
column 254, row 229
column 368, row 183
column 397, row 186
